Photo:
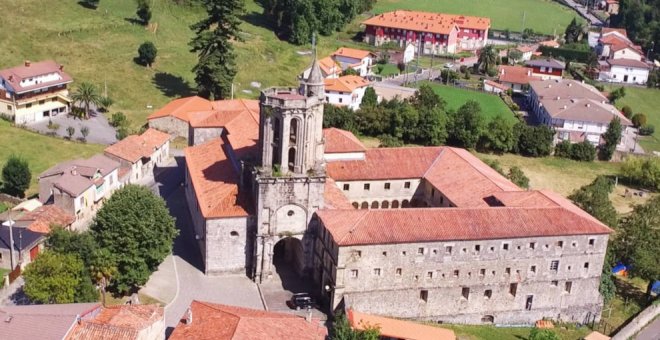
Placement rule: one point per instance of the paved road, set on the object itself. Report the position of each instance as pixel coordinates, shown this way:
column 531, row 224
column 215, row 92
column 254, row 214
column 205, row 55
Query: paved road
column 650, row 332
column 593, row 20
column 100, row 131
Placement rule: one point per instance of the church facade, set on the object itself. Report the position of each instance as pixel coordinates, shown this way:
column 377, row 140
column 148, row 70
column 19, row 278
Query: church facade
column 414, row 232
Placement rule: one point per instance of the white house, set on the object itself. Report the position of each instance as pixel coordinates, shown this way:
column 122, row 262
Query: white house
column 345, row 91
column 577, row 111
column 139, row 155
column 329, row 69
column 629, row 71
column 359, row 60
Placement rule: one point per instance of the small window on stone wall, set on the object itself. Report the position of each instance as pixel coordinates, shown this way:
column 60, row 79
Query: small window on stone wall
column 290, row 213
column 234, row 234
column 488, row 293
column 398, row 271
column 424, row 295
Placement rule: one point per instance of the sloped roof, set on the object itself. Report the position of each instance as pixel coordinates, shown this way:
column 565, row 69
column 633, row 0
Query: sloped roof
column 341, row 141
column 222, row 322
column 495, row 84
column 180, row 108
column 546, row 62
column 516, row 74
column 45, row 216
column 333, row 197
column 14, row 75
column 352, row 53
column 440, row 23
column 74, row 177
column 387, row 226
column 134, row 147
column 345, row 83
column 398, row 329
column 215, row 180
column 385, row 163
column 44, row 322
column 23, row 238
column 628, row 63
column 122, row 322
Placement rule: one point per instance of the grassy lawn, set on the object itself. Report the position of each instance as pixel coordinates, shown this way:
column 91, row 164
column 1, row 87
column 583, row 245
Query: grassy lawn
column 491, row 105
column 629, row 300
column 465, row 332
column 3, row 207
column 388, row 70
column 144, row 300
column 646, row 101
column 541, row 15
column 40, row 151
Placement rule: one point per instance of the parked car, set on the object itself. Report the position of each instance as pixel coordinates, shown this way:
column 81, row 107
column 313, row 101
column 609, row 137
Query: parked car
column 301, row 300
column 449, row 65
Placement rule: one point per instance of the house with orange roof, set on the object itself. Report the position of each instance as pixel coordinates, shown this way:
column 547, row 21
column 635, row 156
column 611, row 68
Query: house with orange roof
column 346, row 91
column 397, row 329
column 428, row 233
column 359, row 60
column 138, row 155
column 329, row 68
column 621, row 61
column 431, row 33
column 516, row 78
column 205, row 320
column 34, row 91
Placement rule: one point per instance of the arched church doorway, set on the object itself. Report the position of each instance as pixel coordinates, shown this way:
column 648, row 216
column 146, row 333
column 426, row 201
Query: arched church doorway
column 288, row 257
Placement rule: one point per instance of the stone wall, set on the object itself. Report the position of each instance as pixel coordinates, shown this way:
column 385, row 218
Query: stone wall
column 227, row 248
column 174, row 126
column 202, row 135
column 379, row 194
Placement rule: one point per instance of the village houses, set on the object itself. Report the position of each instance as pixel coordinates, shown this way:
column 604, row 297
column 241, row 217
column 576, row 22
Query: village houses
column 139, row 155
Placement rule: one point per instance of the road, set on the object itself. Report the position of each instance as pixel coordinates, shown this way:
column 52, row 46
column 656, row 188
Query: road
column 650, row 332
column 593, row 20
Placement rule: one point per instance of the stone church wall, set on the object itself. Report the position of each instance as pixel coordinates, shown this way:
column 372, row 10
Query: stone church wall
column 202, row 135
column 174, row 126
column 227, row 245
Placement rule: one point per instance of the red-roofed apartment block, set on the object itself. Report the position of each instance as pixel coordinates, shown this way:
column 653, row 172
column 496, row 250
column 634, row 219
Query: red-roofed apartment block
column 438, row 32
column 427, row 233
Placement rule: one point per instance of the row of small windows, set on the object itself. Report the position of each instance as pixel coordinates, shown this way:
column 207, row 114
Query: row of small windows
column 367, row 186
column 488, row 293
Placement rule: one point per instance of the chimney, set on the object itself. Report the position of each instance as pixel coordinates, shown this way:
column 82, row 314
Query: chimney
column 189, row 316
column 61, row 67
column 27, row 63
column 11, row 77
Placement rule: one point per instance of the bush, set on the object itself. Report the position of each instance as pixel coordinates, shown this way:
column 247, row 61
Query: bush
column 84, row 131
column 492, row 72
column 535, row 141
column 518, row 177
column 16, row 176
column 463, row 68
column 563, row 149
column 118, row 119
column 70, row 131
column 642, row 171
column 639, row 119
column 583, row 152
column 388, row 141
column 647, row 130
column 122, row 132
column 147, row 54
column 627, row 111
column 53, row 126
column 105, row 103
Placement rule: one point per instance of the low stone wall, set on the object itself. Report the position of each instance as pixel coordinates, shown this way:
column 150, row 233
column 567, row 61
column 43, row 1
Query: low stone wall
column 10, row 199
column 638, row 322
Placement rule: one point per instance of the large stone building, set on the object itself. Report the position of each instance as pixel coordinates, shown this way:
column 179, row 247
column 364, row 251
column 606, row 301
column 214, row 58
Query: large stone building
column 415, row 232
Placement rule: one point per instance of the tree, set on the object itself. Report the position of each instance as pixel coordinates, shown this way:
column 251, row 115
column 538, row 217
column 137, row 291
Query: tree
column 103, row 267
column 627, row 111
column 350, row 72
column 583, row 151
column 514, row 55
column 105, row 103
column 340, row 117
column 612, row 138
column 466, row 125
column 216, row 67
column 564, row 149
column 617, row 94
column 594, row 199
column 370, row 98
column 70, row 131
column 63, row 241
column 86, row 94
column 535, row 141
column 644, row 172
column 118, row 119
column 487, row 58
column 93, row 4
column 517, row 176
column 84, row 131
column 136, row 227
column 143, row 11
column 639, row 240
column 16, row 176
column 342, row 330
column 147, row 53
column 499, row 136
column 639, row 120
column 542, row 334
column 574, row 32
column 55, row 278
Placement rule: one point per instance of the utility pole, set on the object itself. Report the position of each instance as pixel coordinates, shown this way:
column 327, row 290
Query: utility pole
column 10, row 224
column 522, row 29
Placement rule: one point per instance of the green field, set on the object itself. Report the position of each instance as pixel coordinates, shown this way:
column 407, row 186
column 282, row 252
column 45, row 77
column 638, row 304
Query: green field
column 543, row 16
column 646, row 101
column 465, row 332
column 491, row 105
column 40, row 151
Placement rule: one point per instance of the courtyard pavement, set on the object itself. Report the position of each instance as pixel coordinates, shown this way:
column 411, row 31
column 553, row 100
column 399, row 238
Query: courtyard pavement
column 100, row 131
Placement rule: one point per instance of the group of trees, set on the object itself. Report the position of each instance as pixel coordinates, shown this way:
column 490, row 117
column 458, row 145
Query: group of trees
column 583, row 151
column 641, row 19
column 297, row 20
column 575, row 31
column 424, row 119
column 640, row 171
column 129, row 237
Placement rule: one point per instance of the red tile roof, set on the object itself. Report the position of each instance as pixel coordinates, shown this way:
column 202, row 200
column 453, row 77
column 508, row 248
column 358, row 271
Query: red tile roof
column 549, row 43
column 222, row 322
column 134, row 147
column 439, row 23
column 45, row 216
column 386, row 163
column 606, row 30
column 352, row 53
column 123, row 322
column 215, row 180
column 29, row 322
column 341, row 141
column 516, row 74
column 628, row 63
column 333, row 197
column 362, row 227
column 398, row 329
column 14, row 75
column 180, row 108
column 345, row 83
column 496, row 85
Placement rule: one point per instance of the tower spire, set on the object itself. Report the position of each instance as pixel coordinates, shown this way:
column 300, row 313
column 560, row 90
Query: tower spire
column 314, row 84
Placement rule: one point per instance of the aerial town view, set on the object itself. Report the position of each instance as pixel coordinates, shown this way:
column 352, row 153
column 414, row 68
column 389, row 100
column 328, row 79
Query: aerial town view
column 330, row 169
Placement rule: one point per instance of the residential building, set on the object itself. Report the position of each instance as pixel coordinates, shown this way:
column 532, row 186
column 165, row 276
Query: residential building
column 139, row 155
column 549, row 43
column 612, row 7
column 393, row 329
column 414, row 232
column 205, row 320
column 495, row 87
column 547, row 68
column 329, row 68
column 346, row 91
column 359, row 60
column 577, row 111
column 516, row 78
column 27, row 246
column 174, row 117
column 43, row 218
column 82, row 321
column 614, row 43
column 431, row 33
column 79, row 187
column 526, row 51
column 628, row 71
column 34, row 91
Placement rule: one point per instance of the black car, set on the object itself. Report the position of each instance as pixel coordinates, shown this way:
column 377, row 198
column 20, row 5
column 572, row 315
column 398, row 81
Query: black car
column 301, row 300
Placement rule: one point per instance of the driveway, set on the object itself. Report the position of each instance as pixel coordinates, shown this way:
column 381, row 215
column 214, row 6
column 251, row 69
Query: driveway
column 650, row 332
column 100, row 131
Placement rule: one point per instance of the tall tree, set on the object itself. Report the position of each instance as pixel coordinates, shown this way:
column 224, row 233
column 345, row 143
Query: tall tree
column 594, row 199
column 216, row 67
column 143, row 11
column 136, row 227
column 57, row 278
column 86, row 94
column 370, row 99
column 432, row 119
column 612, row 138
column 534, row 141
column 466, row 125
column 499, row 136
column 16, row 176
column 147, row 53
column 487, row 58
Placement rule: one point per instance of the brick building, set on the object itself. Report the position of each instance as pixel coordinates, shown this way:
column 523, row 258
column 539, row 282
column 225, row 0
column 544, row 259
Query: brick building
column 414, row 232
